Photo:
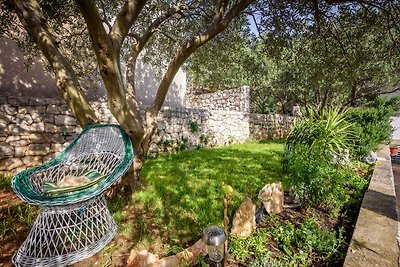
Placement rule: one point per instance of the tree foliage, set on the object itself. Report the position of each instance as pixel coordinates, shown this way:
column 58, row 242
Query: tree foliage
column 317, row 53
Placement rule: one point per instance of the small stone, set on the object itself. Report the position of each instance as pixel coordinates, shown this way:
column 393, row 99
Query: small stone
column 244, row 220
column 271, row 195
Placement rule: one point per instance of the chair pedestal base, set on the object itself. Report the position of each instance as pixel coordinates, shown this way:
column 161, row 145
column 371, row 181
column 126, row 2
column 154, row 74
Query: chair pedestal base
column 63, row 235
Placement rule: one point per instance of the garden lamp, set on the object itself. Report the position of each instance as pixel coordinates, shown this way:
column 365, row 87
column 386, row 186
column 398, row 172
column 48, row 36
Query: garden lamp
column 214, row 237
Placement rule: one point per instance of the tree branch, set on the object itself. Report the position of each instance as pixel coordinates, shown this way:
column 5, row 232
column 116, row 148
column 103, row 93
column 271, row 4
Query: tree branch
column 156, row 23
column 124, row 21
column 219, row 24
column 34, row 22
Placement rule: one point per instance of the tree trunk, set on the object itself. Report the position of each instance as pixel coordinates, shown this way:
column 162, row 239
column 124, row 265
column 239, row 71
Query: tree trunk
column 33, row 20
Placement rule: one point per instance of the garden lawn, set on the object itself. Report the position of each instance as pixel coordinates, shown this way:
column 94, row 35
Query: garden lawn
column 182, row 193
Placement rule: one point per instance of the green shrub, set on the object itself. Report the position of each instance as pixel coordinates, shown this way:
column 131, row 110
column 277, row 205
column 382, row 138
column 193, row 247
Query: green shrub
column 309, row 161
column 372, row 124
column 327, row 131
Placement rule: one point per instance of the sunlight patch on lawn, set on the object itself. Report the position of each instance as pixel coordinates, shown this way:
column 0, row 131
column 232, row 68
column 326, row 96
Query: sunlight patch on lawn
column 182, row 193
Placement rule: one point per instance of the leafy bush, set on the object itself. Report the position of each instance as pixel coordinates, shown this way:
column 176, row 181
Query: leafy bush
column 372, row 124
column 311, row 147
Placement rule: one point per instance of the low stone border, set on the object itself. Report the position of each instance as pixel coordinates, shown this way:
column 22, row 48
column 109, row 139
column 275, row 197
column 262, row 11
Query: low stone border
column 374, row 241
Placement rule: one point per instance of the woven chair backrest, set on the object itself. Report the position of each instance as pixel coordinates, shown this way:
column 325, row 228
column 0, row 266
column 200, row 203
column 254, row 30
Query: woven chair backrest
column 100, row 149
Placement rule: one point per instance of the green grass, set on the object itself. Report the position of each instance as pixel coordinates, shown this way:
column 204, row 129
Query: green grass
column 182, row 192
column 5, row 182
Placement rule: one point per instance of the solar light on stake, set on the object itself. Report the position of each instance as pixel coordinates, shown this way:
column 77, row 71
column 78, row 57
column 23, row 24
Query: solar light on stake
column 214, row 237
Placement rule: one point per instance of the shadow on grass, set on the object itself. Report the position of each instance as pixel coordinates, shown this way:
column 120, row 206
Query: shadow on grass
column 182, row 193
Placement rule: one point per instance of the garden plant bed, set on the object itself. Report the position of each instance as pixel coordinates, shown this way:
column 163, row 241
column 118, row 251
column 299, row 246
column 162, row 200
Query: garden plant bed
column 180, row 196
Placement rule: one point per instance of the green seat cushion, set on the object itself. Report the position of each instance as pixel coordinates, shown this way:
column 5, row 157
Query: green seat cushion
column 51, row 189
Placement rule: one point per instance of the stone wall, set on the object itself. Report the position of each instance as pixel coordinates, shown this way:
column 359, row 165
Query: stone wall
column 237, row 99
column 33, row 131
column 269, row 126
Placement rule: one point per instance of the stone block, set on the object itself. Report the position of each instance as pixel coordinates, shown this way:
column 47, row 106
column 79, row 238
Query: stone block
column 49, row 118
column 38, row 138
column 64, row 108
column 14, row 129
column 52, row 101
column 41, row 109
column 5, row 119
column 36, row 102
column 50, row 128
column 20, row 151
column 244, row 220
column 36, row 117
column 53, row 109
column 65, row 120
column 9, row 164
column 37, row 127
column 6, row 150
column 271, row 195
column 12, row 138
column 30, row 161
column 8, row 110
column 22, row 118
column 142, row 258
column 38, row 150
column 19, row 143
column 56, row 148
column 23, row 110
column 13, row 102
column 23, row 101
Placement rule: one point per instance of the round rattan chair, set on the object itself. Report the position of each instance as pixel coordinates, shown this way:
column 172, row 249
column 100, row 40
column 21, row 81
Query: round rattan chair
column 73, row 226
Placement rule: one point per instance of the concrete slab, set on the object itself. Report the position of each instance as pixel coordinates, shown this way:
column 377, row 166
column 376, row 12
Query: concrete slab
column 374, row 241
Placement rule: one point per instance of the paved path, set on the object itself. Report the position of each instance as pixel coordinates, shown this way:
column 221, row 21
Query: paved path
column 374, row 241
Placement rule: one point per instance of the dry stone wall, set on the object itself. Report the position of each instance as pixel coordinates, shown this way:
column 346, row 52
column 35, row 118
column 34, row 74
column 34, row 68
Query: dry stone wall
column 237, row 99
column 33, row 131
column 270, row 126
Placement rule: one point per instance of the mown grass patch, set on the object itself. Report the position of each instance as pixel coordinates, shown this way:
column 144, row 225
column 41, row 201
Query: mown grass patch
column 182, row 193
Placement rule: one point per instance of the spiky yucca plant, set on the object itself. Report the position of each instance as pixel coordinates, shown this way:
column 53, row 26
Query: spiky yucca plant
column 328, row 131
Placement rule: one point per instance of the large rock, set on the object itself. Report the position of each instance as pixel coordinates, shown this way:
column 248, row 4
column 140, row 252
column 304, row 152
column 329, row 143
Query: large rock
column 244, row 220
column 271, row 195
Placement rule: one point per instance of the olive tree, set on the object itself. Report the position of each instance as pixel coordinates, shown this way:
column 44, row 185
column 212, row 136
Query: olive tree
column 117, row 31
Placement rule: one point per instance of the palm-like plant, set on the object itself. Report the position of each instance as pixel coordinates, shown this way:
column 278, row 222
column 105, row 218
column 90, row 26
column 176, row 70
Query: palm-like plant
column 327, row 131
